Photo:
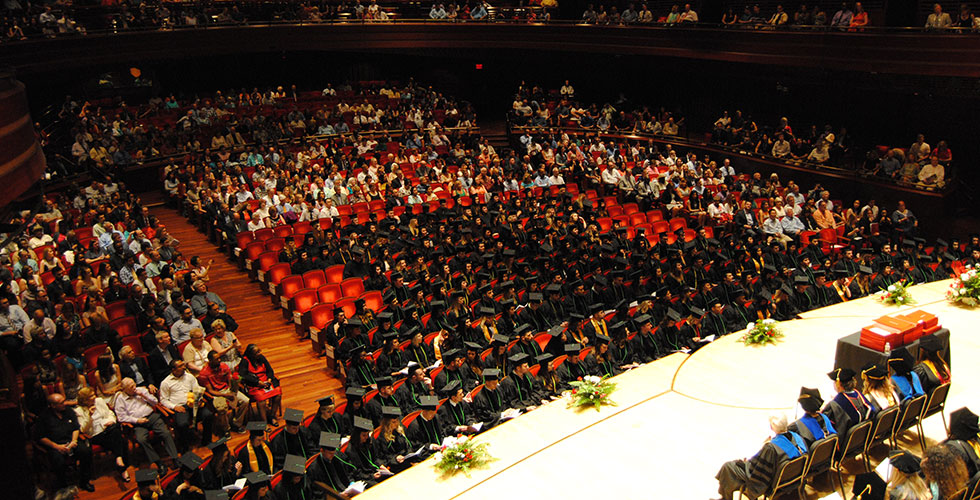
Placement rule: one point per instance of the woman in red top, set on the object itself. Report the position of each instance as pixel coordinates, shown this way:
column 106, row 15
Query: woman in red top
column 260, row 383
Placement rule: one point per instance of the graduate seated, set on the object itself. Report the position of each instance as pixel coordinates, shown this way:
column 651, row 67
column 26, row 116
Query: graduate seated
column 259, row 486
column 256, row 455
column 814, row 425
column 293, row 440
column 331, row 471
column 906, row 481
column 754, row 476
column 189, row 483
column 964, row 439
column 426, row 429
column 933, row 370
column 849, row 407
column 293, row 485
column 392, row 447
column 906, row 381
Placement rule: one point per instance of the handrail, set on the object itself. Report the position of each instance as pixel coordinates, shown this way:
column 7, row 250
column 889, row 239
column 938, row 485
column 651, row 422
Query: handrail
column 703, row 27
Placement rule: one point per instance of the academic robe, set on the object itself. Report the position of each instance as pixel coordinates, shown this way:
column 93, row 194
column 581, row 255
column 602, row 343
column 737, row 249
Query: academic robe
column 285, row 443
column 374, row 406
column 714, row 324
column 521, row 391
column 487, row 405
column 967, row 450
column 813, row 429
column 422, row 431
column 421, row 354
column 623, row 354
column 391, row 362
column 334, row 424
column 388, row 451
column 364, row 460
column 847, row 410
column 757, row 474
column 287, row 490
column 451, row 415
column 261, row 460
column 929, row 377
column 197, row 480
column 408, row 396
column 216, row 478
column 334, row 473
column 646, row 348
column 446, row 376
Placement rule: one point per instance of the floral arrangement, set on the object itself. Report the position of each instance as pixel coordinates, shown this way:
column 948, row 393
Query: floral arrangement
column 896, row 294
column 965, row 288
column 461, row 454
column 761, row 332
column 591, row 391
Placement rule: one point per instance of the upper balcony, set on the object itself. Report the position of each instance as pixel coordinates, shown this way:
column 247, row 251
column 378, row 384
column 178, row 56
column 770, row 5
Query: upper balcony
column 884, row 50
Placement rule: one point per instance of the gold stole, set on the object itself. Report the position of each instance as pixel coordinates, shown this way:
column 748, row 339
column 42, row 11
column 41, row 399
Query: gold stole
column 136, row 496
column 253, row 460
column 932, row 367
column 600, row 327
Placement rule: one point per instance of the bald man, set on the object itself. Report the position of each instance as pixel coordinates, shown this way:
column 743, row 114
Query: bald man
column 57, row 430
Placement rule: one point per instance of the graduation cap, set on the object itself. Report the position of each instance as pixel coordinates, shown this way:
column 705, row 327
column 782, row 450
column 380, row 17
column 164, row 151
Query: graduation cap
column 391, row 412
column 472, row 346
column 363, row 424
column 292, row 416
column 518, row 358
column 486, row 311
column 485, row 288
column 145, row 476
column 491, row 374
column 576, row 317
column 428, row 402
column 574, row 348
column 329, row 440
column 908, row 243
column 919, row 239
column 819, row 272
column 507, row 284
column 355, row 393
column 556, row 330
column 713, row 242
column 801, row 280
column 354, row 323
column 389, row 335
column 810, row 399
column 543, row 358
column 900, row 360
column 383, row 381
column 451, row 387
column 673, row 314
column 384, row 316
column 842, row 375
column 547, row 248
column 865, row 270
column 603, row 338
column 450, row 355
column 874, row 371
column 941, row 243
column 869, row 486
column 963, row 425
column 294, row 464
column 257, row 478
column 256, row 428
column 535, row 297
column 522, row 329
column 948, row 256
column 841, row 273
column 765, row 295
column 437, row 305
column 499, row 339
column 215, row 495
column 553, row 288
column 357, row 351
column 411, row 332
column 214, row 445
column 904, row 461
column 642, row 319
column 510, row 252
column 696, row 311
column 595, row 308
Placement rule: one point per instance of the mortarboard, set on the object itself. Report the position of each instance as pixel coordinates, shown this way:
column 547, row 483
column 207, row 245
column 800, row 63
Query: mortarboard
column 900, row 360
column 930, row 343
column 384, row 316
column 842, row 375
column 292, row 416
column 535, row 297
column 904, row 461
column 363, row 424
column 437, row 305
column 391, row 412
column 865, row 270
column 256, row 428
column 428, row 402
column 214, row 445
column 294, row 464
column 145, row 476
column 696, row 311
column 522, row 329
column 383, row 381
column 873, row 371
column 257, row 478
column 810, row 399
column 673, row 314
column 603, row 339
column 556, row 330
column 486, row 311
column 642, row 319
column 491, row 374
column 553, row 288
column 451, row 387
column 190, row 461
column 963, row 425
column 941, row 243
column 329, row 440
column 451, row 355
column 355, row 393
column 325, row 401
column 544, row 358
column 573, row 348
column 472, row 346
column 500, row 339
column 215, row 495
column 801, row 280
column 518, row 358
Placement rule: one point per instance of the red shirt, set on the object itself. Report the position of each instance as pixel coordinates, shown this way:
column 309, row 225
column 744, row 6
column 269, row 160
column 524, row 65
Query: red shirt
column 218, row 378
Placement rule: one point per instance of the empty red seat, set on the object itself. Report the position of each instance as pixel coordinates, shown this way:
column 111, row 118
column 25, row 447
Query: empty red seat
column 314, row 279
column 352, row 287
column 335, row 274
column 124, row 326
column 331, row 292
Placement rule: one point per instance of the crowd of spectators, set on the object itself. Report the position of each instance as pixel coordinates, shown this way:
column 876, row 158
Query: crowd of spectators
column 525, row 267
column 110, row 134
column 920, row 165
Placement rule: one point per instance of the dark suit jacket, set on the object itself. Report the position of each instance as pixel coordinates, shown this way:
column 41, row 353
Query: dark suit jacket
column 127, row 371
column 159, row 367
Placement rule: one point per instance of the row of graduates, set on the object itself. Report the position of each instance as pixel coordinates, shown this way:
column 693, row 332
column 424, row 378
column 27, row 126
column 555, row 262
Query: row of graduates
column 883, row 387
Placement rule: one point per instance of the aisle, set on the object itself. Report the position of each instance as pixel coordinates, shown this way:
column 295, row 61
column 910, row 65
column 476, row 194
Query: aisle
column 303, row 376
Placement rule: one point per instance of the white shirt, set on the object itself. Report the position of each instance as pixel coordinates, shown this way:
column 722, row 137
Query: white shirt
column 173, row 391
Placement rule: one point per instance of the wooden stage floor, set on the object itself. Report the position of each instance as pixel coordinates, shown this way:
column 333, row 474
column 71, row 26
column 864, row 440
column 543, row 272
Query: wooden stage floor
column 681, row 417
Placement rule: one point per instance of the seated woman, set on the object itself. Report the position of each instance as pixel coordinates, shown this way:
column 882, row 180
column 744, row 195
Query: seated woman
column 945, row 472
column 391, row 446
column 878, row 387
column 933, row 370
column 260, row 383
column 906, row 482
column 98, row 424
column 849, row 407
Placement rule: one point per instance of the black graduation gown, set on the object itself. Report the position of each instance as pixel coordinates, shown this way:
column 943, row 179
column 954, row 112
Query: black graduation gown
column 334, row 424
column 714, row 324
column 335, row 473
column 521, row 393
column 531, row 348
column 421, row 354
column 927, row 378
column 197, row 480
column 622, row 355
column 361, row 374
column 364, row 460
column 846, row 411
column 260, row 458
column 487, row 405
column 388, row 451
column 408, row 396
column 445, row 376
column 451, row 416
column 287, row 490
column 737, row 316
column 422, row 431
column 300, row 444
column 215, row 478
column 800, row 428
column 761, row 468
column 374, row 406
column 966, row 451
column 645, row 348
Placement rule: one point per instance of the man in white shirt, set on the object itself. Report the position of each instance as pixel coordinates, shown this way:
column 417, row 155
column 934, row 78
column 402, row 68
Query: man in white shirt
column 611, row 177
column 567, row 91
column 932, row 172
column 780, row 148
column 175, row 395
column 792, row 225
column 135, row 406
column 39, row 327
column 773, row 227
